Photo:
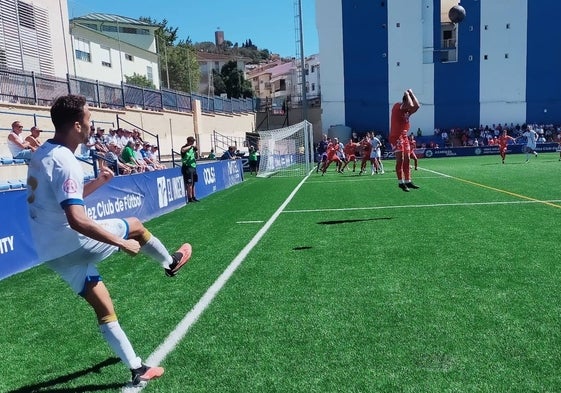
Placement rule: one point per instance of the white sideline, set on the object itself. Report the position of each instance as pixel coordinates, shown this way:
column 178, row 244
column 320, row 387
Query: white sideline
column 192, row 316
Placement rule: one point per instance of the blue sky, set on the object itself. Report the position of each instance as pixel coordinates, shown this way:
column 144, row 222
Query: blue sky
column 270, row 24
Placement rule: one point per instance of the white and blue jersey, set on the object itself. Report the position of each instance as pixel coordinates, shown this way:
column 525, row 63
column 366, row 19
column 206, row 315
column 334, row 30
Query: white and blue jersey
column 55, row 179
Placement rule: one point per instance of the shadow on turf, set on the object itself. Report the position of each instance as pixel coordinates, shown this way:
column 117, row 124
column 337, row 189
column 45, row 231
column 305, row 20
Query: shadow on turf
column 335, row 222
column 49, row 386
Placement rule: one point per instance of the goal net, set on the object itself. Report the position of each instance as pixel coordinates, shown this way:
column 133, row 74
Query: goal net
column 286, row 151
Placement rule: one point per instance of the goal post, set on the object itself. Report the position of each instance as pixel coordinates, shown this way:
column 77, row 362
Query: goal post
column 286, row 151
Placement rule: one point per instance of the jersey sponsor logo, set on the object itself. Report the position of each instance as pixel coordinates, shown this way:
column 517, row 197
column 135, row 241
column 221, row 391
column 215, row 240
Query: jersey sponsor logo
column 70, row 186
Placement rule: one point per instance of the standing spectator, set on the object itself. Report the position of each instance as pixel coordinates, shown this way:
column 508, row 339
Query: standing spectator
column 33, row 138
column 189, row 168
column 19, row 148
column 444, row 136
column 401, row 112
column 252, row 160
column 71, row 243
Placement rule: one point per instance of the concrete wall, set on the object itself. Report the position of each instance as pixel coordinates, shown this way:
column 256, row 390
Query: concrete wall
column 172, row 127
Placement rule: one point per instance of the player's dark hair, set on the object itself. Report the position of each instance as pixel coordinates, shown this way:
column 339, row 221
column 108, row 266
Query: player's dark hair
column 67, row 110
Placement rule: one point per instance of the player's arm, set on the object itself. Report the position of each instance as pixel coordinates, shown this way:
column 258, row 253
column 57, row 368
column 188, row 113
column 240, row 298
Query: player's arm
column 104, row 175
column 413, row 102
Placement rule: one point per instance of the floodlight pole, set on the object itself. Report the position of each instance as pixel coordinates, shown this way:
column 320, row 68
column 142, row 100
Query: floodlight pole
column 302, row 63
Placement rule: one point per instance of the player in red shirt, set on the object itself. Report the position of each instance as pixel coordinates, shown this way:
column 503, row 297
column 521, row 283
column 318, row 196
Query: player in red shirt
column 503, row 143
column 366, row 148
column 350, row 154
column 332, row 156
column 401, row 111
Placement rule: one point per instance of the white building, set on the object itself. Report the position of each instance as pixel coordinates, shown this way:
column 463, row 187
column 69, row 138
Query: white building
column 500, row 64
column 109, row 47
column 34, row 38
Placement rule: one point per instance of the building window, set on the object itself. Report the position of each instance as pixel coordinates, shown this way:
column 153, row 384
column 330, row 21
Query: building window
column 109, row 28
column 149, row 74
column 26, row 15
column 313, row 87
column 105, row 54
column 82, row 49
column 92, row 26
column 129, row 57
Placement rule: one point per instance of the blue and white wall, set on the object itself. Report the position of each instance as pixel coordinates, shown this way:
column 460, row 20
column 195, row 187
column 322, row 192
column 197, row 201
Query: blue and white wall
column 506, row 70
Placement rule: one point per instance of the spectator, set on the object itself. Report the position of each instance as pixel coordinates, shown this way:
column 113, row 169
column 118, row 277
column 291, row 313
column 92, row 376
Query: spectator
column 33, row 138
column 189, row 168
column 112, row 137
column 252, row 161
column 229, row 154
column 152, row 157
column 128, row 157
column 17, row 145
column 112, row 156
column 211, row 156
column 140, row 159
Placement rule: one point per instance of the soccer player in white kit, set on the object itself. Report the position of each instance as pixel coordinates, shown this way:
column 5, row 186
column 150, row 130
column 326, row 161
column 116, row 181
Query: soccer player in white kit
column 376, row 156
column 531, row 142
column 70, row 242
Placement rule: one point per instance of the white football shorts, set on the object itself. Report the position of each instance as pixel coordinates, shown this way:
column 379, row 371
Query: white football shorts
column 79, row 266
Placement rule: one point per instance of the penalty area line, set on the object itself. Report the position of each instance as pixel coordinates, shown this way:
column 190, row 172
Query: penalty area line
column 527, row 198
column 175, row 337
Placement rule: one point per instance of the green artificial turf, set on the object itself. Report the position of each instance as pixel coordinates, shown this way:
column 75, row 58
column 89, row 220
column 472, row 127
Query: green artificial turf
column 356, row 286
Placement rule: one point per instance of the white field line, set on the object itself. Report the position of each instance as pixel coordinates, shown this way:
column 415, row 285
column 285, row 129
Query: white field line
column 249, row 222
column 192, row 316
column 419, row 206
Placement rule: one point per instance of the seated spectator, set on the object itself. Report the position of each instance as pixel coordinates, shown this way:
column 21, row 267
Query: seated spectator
column 128, row 157
column 229, row 154
column 150, row 157
column 17, row 145
column 211, row 156
column 33, row 138
column 140, row 159
column 112, row 156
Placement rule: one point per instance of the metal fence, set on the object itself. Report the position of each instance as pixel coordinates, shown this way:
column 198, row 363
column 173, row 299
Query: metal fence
column 36, row 89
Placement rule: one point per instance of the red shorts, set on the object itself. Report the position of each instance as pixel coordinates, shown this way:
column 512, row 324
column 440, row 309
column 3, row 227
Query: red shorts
column 402, row 145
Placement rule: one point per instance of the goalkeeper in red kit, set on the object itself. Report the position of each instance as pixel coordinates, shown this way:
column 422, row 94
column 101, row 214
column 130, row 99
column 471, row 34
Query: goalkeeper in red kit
column 401, row 111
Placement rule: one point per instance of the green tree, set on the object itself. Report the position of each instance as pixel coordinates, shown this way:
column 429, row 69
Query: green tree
column 139, row 80
column 231, row 81
column 184, row 72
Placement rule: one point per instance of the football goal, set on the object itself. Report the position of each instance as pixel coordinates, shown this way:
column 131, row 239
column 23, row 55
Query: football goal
column 286, row 151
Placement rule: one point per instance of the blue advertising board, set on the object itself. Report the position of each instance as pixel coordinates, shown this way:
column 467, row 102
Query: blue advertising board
column 145, row 196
